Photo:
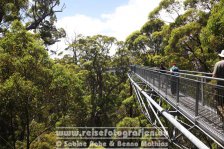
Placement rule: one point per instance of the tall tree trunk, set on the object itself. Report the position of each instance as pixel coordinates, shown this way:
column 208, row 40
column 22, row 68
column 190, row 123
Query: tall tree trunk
column 93, row 100
column 75, row 55
column 27, row 124
column 100, row 81
column 12, row 130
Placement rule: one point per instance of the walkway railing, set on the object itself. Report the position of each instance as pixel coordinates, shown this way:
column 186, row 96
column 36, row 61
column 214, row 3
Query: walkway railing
column 198, row 97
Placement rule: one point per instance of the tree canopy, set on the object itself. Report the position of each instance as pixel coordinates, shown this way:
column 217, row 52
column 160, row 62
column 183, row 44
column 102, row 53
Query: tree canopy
column 88, row 86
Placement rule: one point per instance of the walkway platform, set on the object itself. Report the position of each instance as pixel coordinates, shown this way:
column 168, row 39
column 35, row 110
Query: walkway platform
column 194, row 98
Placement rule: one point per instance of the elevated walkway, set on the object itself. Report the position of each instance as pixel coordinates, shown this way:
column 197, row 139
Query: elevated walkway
column 192, row 95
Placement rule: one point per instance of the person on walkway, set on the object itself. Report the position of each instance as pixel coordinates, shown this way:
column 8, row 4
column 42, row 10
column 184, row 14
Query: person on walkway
column 162, row 68
column 174, row 79
column 218, row 72
column 163, row 76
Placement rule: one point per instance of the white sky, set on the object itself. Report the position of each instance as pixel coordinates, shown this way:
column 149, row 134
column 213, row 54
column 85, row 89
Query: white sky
column 120, row 23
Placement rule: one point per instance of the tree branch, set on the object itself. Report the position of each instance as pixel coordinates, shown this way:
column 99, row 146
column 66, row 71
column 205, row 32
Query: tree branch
column 40, row 19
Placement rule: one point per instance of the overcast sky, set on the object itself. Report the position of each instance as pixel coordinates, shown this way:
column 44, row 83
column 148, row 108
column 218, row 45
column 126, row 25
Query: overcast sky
column 117, row 18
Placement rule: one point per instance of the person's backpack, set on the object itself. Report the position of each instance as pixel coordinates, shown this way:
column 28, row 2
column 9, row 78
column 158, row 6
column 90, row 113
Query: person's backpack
column 175, row 69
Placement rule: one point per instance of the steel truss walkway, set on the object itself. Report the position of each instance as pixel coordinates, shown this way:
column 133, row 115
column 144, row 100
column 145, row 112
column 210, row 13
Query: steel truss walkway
column 191, row 96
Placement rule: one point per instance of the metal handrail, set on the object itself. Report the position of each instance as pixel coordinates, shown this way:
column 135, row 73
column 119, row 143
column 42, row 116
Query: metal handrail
column 196, row 72
column 187, row 74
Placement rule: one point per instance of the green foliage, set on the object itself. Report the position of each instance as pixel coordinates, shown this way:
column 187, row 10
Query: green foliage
column 190, row 40
column 130, row 41
column 212, row 34
column 169, row 6
column 10, row 11
column 129, row 122
column 102, row 88
column 191, row 37
column 24, row 66
column 128, row 101
column 90, row 87
column 37, row 92
column 45, row 141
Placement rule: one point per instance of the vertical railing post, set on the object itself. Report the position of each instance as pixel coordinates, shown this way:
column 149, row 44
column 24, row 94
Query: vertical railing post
column 159, row 80
column 202, row 90
column 153, row 77
column 144, row 74
column 147, row 75
column 197, row 98
column 178, row 90
column 167, row 80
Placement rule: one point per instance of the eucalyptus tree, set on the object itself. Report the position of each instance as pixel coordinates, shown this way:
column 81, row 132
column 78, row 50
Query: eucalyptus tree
column 149, row 41
column 136, row 43
column 25, row 74
column 181, row 38
column 36, row 94
column 10, row 10
column 170, row 7
column 149, row 29
column 212, row 34
column 144, row 44
column 184, row 41
column 121, row 59
column 95, row 59
column 91, row 55
column 38, row 15
column 74, row 47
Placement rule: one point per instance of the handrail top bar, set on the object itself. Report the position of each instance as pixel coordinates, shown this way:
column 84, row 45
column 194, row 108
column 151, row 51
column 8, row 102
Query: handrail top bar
column 206, row 77
column 199, row 72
